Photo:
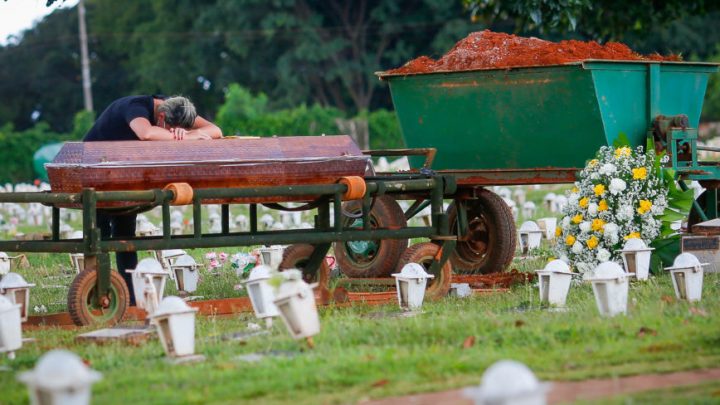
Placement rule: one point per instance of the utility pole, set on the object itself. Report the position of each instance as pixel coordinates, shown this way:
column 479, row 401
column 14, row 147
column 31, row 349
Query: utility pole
column 84, row 60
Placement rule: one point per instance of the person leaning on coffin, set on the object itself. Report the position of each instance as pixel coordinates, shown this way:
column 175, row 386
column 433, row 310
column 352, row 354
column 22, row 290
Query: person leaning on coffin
column 145, row 118
column 151, row 118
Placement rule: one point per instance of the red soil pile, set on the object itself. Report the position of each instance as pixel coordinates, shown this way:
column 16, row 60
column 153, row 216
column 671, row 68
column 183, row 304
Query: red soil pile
column 493, row 50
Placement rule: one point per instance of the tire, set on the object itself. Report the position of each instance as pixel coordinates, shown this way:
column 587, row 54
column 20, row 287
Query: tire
column 491, row 225
column 423, row 254
column 376, row 258
column 297, row 256
column 82, row 308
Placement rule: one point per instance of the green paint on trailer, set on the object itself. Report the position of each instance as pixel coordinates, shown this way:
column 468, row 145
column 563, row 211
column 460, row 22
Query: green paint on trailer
column 535, row 117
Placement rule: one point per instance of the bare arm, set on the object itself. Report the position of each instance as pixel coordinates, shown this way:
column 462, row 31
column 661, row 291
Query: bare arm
column 145, row 131
column 203, row 128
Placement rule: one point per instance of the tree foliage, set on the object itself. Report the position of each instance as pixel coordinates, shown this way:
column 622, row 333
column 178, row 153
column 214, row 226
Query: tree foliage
column 19, row 147
column 245, row 114
column 298, row 52
column 597, row 19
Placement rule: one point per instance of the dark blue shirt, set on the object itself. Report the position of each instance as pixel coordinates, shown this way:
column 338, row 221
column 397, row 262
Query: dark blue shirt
column 114, row 123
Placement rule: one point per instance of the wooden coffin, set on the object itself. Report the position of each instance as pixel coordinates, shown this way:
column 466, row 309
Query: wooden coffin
column 224, row 163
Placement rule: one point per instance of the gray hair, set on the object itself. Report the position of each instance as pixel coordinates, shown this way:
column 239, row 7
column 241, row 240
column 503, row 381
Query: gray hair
column 179, row 112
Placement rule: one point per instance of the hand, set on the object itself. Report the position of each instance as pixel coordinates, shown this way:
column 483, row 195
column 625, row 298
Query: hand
column 197, row 135
column 179, row 133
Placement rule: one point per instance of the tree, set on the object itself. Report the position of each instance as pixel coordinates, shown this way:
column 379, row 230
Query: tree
column 41, row 75
column 326, row 51
column 596, row 19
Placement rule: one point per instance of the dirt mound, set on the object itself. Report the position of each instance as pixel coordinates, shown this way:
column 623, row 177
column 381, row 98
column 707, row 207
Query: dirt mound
column 492, row 50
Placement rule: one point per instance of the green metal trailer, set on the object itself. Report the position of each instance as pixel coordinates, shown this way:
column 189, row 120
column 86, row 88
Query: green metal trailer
column 98, row 295
column 539, row 125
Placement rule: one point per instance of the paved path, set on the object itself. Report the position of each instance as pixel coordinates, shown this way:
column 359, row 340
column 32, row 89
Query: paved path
column 569, row 391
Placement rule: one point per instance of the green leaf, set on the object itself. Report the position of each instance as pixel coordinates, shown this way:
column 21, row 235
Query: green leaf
column 666, row 230
column 665, row 252
column 671, row 215
column 621, row 140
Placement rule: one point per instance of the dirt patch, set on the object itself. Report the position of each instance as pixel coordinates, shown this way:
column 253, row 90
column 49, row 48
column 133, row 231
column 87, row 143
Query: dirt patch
column 493, row 50
column 565, row 392
column 494, row 280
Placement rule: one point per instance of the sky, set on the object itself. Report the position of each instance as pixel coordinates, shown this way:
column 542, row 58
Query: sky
column 18, row 15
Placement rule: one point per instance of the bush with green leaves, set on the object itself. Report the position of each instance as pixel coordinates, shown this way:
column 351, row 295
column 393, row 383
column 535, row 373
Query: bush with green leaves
column 246, row 114
column 19, row 147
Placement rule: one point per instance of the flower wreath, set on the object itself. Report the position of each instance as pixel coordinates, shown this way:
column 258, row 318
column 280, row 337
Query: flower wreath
column 620, row 195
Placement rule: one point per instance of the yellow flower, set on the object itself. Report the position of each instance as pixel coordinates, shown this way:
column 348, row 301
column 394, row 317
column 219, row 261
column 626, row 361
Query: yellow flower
column 575, row 190
column 593, row 162
column 592, row 242
column 602, row 206
column 624, row 151
column 584, row 202
column 577, row 218
column 639, row 173
column 599, row 189
column 645, row 206
column 569, row 240
column 598, row 225
column 634, row 235
column 558, row 231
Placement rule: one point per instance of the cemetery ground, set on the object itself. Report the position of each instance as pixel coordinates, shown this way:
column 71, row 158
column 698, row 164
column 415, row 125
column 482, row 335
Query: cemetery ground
column 370, row 352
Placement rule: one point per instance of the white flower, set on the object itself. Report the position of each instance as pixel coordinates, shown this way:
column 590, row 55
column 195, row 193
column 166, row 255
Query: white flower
column 583, row 267
column 608, row 169
column 603, row 255
column 617, row 186
column 622, row 198
column 625, row 213
column 585, row 226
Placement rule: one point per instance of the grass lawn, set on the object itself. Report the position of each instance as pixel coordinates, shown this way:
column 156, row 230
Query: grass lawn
column 371, row 352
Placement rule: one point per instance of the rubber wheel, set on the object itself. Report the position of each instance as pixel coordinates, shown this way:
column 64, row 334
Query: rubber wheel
column 356, row 187
column 374, row 258
column 183, row 193
column 423, row 254
column 493, row 236
column 693, row 217
column 297, row 256
column 83, row 308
